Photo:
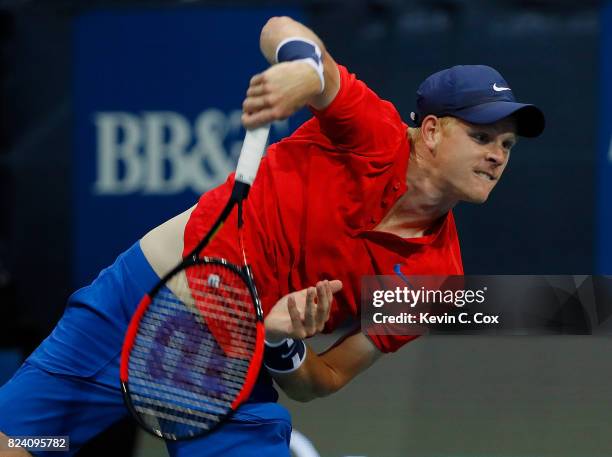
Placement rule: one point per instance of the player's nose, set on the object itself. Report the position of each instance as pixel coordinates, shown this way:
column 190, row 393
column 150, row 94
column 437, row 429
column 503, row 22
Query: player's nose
column 497, row 154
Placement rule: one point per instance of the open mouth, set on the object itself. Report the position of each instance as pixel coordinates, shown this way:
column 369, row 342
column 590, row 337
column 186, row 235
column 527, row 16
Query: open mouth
column 485, row 175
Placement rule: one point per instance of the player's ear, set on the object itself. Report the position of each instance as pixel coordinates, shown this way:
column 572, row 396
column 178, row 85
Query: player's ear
column 431, row 131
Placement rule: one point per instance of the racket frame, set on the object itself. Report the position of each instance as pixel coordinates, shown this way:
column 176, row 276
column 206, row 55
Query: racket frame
column 248, row 163
column 254, row 364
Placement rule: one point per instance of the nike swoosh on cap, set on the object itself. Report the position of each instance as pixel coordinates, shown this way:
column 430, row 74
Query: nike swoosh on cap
column 496, row 88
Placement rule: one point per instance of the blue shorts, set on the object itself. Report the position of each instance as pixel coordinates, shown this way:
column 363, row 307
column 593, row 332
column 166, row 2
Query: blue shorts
column 70, row 383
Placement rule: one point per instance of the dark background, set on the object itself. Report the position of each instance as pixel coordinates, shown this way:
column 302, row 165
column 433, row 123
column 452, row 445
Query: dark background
column 539, row 220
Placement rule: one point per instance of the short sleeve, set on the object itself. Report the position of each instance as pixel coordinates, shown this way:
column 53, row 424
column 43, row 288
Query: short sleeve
column 358, row 120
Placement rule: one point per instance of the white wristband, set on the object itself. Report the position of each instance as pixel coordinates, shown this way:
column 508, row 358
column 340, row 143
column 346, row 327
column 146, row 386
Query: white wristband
column 285, row 356
column 301, row 49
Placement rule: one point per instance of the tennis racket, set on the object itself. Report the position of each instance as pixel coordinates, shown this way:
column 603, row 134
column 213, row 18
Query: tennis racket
column 194, row 346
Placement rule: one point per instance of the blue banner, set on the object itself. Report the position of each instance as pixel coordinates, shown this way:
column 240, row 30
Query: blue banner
column 158, row 97
column 604, row 248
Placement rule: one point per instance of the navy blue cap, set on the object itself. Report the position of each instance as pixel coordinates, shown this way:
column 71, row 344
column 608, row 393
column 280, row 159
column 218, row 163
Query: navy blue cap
column 476, row 94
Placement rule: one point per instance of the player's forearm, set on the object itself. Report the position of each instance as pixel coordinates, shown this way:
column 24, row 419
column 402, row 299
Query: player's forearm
column 315, row 378
column 305, row 75
column 326, row 373
column 279, row 28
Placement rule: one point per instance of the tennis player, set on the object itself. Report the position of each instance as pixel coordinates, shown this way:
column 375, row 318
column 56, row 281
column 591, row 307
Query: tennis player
column 354, row 191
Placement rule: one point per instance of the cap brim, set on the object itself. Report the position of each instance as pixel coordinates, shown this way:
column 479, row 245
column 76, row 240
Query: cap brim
column 530, row 120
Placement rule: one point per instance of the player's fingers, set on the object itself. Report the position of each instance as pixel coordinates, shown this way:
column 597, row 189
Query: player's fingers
column 256, row 79
column 328, row 293
column 335, row 285
column 322, row 304
column 296, row 320
column 256, row 91
column 330, row 298
column 252, row 104
column 253, row 120
column 310, row 324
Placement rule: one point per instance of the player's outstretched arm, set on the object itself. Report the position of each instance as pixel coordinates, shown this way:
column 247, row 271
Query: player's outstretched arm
column 286, row 87
column 303, row 314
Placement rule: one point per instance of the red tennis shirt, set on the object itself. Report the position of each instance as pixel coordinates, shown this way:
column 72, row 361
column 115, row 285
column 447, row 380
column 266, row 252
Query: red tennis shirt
column 316, row 199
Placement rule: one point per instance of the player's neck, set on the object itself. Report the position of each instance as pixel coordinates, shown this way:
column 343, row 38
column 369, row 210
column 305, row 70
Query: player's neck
column 421, row 206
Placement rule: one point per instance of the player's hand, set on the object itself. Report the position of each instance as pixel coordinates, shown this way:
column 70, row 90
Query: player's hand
column 301, row 314
column 279, row 92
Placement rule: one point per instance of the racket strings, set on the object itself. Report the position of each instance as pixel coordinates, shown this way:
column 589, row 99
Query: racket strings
column 173, row 360
column 220, row 312
column 215, row 312
column 192, row 350
column 156, row 397
column 225, row 287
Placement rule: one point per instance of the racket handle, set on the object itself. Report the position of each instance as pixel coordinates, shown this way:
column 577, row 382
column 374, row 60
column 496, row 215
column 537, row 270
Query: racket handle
column 253, row 148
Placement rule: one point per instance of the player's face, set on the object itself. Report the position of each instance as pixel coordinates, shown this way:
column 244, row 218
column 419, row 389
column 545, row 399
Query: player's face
column 473, row 157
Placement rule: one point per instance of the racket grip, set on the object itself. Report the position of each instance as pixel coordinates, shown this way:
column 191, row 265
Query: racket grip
column 253, row 148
